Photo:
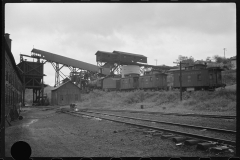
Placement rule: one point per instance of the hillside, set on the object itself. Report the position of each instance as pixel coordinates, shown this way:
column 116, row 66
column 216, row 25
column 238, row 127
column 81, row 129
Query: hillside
column 221, row 101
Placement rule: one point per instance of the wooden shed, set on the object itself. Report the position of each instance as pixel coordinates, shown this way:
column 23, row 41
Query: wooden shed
column 65, row 94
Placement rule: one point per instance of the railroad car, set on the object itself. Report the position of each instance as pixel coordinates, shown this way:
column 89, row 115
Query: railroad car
column 155, row 81
column 13, row 83
column 129, row 82
column 110, row 84
column 198, row 77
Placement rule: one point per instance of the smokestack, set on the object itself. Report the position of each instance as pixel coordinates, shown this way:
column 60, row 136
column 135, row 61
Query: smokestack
column 9, row 41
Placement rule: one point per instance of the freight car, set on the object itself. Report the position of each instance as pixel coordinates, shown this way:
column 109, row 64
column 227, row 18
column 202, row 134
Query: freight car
column 134, row 81
column 95, row 84
column 13, row 83
column 111, row 84
column 198, row 77
column 156, row 81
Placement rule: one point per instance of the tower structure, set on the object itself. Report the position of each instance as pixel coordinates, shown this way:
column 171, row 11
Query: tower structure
column 116, row 59
column 32, row 78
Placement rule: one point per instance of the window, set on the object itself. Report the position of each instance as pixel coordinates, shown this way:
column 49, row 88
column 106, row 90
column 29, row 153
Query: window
column 199, row 77
column 150, row 78
column 61, row 97
column 129, row 80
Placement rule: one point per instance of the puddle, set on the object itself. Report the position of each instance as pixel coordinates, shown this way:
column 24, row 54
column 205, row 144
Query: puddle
column 31, row 122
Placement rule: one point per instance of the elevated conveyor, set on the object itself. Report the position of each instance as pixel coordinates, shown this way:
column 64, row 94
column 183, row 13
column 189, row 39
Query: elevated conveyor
column 73, row 64
column 67, row 61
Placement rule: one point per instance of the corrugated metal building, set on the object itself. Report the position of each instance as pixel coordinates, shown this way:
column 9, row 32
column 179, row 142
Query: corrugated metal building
column 65, row 94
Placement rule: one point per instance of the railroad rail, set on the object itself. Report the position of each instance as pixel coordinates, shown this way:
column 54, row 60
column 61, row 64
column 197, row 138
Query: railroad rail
column 172, row 113
column 171, row 123
column 200, row 137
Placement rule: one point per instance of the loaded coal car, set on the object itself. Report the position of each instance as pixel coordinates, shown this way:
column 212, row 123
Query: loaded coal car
column 198, row 77
column 111, row 84
column 155, row 81
column 95, row 84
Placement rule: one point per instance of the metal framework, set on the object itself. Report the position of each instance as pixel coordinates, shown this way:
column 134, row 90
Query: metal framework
column 77, row 68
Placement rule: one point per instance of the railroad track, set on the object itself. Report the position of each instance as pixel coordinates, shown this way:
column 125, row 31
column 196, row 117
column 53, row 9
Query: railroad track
column 170, row 123
column 202, row 141
column 172, row 113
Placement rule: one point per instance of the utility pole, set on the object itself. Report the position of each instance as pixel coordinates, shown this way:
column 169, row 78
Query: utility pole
column 156, row 61
column 224, row 51
column 180, row 78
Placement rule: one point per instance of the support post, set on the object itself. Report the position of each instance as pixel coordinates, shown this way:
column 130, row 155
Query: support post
column 180, row 81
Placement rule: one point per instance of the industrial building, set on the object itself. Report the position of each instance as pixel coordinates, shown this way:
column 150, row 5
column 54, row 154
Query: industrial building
column 65, row 94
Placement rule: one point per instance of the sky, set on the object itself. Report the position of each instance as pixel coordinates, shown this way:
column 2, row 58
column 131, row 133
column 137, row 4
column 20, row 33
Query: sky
column 159, row 31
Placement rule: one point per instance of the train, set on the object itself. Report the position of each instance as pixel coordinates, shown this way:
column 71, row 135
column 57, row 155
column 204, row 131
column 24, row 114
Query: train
column 198, row 77
column 157, row 81
column 194, row 77
column 13, row 83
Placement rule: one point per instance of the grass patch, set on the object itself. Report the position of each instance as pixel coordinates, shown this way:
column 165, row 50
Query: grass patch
column 220, row 100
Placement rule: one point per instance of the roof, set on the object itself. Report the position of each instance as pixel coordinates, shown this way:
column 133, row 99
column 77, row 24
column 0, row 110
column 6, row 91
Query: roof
column 67, row 61
column 131, row 54
column 9, row 53
column 63, row 85
column 233, row 58
column 103, row 52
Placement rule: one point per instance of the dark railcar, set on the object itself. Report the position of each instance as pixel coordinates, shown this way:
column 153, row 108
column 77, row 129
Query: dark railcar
column 129, row 83
column 198, row 77
column 110, row 84
column 154, row 81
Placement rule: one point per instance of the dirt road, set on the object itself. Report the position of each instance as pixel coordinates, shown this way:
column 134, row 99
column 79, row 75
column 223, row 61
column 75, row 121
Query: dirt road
column 52, row 134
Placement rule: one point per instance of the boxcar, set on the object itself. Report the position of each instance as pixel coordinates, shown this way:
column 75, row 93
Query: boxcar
column 154, row 81
column 199, row 77
column 129, row 83
column 110, row 84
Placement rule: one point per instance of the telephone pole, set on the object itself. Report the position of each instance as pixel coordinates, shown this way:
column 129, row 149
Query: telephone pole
column 224, row 51
column 180, row 78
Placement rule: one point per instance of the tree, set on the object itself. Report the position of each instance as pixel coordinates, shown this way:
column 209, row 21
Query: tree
column 185, row 60
column 221, row 60
column 208, row 59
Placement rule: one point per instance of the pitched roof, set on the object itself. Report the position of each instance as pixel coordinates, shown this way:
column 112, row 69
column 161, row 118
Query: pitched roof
column 63, row 85
column 131, row 54
column 103, row 52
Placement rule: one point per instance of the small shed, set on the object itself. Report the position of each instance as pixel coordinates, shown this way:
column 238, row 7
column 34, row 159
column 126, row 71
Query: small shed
column 65, row 94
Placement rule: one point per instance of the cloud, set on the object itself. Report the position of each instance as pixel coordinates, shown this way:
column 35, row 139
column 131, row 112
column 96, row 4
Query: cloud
column 159, row 31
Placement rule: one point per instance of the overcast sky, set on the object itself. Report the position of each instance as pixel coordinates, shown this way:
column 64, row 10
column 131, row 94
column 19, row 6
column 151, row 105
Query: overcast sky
column 161, row 31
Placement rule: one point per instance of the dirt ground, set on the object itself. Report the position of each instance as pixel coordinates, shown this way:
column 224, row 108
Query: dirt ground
column 52, row 134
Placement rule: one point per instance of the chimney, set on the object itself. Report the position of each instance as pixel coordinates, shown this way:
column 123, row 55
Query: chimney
column 9, row 41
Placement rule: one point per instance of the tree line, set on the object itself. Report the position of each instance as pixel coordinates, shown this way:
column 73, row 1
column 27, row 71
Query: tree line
column 215, row 59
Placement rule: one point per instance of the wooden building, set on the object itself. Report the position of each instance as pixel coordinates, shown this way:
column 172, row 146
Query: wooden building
column 65, row 94
column 13, row 80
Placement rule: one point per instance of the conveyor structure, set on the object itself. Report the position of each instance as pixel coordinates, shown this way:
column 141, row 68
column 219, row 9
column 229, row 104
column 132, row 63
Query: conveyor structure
column 82, row 69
